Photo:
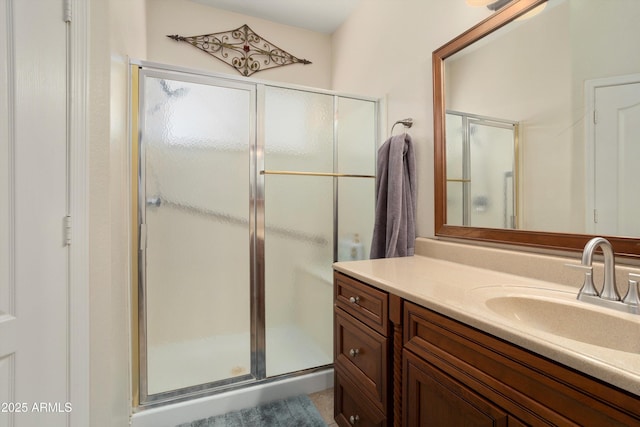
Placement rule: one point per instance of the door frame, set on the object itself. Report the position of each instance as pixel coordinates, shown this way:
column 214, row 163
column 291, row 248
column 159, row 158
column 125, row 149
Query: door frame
column 78, row 195
column 590, row 87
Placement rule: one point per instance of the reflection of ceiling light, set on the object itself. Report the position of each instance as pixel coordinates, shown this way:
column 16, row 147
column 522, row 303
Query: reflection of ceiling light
column 533, row 12
column 476, row 3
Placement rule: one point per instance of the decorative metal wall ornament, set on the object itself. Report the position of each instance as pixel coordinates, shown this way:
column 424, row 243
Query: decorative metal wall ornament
column 243, row 49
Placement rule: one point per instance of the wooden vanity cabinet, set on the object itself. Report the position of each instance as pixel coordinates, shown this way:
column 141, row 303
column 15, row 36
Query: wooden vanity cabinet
column 415, row 367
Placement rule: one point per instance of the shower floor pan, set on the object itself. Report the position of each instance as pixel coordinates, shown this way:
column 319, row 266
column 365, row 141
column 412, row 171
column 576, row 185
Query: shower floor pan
column 178, row 365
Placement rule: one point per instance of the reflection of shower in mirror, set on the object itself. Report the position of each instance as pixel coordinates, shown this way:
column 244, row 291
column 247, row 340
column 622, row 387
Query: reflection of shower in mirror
column 481, row 171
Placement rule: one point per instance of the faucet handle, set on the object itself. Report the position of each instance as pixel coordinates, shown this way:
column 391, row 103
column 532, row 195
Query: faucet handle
column 632, row 297
column 588, row 288
column 581, row 267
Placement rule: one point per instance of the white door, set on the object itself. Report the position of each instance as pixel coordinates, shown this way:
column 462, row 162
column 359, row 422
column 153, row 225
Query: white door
column 616, row 159
column 33, row 202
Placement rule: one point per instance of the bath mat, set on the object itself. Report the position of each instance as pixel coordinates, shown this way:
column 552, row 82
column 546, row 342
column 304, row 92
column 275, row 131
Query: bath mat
column 296, row 411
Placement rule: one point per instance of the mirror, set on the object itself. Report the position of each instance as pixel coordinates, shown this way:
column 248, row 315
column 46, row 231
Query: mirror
column 567, row 81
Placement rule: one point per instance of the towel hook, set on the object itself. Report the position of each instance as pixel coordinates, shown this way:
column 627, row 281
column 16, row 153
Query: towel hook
column 407, row 123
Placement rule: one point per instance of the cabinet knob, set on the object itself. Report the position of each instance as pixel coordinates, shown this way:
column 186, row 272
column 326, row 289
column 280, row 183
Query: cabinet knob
column 354, row 300
column 354, row 352
column 353, row 419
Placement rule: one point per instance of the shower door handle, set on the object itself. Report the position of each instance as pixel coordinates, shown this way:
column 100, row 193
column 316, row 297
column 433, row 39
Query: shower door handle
column 154, row 201
column 143, row 237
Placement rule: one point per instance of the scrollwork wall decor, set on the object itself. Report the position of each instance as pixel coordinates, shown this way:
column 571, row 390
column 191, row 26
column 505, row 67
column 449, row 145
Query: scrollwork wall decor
column 243, row 49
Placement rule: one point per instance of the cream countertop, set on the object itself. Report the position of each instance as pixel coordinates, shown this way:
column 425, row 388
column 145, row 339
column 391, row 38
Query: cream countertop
column 448, row 288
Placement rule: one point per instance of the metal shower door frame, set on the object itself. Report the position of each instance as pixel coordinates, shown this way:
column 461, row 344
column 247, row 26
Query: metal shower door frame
column 139, row 232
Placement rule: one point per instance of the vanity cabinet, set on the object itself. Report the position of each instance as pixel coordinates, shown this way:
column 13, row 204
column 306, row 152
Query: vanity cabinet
column 398, row 363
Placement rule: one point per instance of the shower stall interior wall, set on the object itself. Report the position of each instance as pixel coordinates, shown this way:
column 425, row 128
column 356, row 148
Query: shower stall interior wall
column 246, row 194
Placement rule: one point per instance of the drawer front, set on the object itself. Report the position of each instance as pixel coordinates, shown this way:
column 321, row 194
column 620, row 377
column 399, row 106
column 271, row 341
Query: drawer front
column 351, row 408
column 365, row 303
column 363, row 354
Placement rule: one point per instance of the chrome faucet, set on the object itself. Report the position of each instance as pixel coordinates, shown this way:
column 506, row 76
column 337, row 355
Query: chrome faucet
column 609, row 289
column 609, row 296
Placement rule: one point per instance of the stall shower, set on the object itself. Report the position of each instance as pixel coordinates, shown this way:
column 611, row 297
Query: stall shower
column 247, row 191
column 482, row 171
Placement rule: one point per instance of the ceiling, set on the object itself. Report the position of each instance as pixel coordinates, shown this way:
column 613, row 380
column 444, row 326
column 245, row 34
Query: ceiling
column 324, row 16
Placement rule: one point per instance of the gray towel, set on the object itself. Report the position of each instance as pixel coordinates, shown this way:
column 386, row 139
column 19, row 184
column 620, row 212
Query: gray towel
column 394, row 230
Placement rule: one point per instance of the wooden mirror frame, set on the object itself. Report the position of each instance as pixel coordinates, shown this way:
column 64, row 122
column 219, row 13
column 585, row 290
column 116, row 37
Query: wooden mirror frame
column 622, row 246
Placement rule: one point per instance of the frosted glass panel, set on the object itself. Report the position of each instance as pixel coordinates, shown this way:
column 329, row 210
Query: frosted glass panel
column 356, row 133
column 197, row 115
column 356, row 208
column 195, row 142
column 298, row 130
column 298, row 257
column 299, row 230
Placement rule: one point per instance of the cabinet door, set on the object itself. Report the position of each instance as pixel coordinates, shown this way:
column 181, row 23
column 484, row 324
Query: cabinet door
column 432, row 398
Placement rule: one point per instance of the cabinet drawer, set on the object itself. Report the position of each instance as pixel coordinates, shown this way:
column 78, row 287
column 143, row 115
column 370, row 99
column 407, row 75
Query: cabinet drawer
column 367, row 304
column 362, row 353
column 351, row 408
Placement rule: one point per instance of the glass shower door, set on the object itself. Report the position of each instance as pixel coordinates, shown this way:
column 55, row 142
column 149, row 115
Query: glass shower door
column 195, row 190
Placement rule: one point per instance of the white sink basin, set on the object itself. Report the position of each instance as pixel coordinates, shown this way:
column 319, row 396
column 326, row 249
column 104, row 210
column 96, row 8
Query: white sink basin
column 559, row 313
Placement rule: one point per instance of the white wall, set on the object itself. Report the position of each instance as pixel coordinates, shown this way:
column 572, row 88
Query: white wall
column 117, row 31
column 384, row 50
column 186, row 18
